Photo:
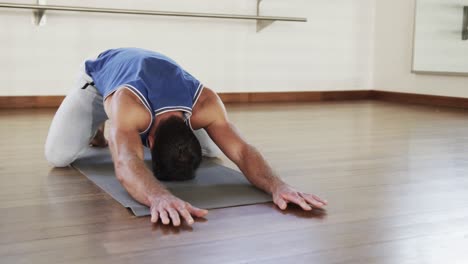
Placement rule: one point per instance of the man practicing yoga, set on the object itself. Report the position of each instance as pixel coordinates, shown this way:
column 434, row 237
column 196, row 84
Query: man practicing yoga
column 151, row 101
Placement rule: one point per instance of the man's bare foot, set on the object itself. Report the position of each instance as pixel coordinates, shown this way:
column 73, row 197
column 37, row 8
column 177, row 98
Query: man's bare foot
column 99, row 141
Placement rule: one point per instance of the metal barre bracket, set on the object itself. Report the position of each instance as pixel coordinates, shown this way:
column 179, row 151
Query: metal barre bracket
column 39, row 14
column 261, row 24
column 40, row 8
column 465, row 23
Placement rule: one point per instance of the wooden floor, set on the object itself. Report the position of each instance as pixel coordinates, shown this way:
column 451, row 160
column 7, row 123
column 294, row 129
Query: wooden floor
column 396, row 178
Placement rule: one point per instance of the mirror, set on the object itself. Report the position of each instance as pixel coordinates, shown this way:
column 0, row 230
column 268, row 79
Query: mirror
column 440, row 43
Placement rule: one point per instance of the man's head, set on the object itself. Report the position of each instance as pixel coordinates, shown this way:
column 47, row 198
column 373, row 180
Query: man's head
column 176, row 152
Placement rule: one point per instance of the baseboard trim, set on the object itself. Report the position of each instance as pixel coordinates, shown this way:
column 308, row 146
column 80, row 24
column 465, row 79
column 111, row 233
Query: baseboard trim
column 283, row 97
column 30, row 101
column 255, row 97
column 15, row 102
column 421, row 99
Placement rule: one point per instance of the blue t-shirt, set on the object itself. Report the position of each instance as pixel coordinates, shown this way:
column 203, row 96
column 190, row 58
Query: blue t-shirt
column 160, row 83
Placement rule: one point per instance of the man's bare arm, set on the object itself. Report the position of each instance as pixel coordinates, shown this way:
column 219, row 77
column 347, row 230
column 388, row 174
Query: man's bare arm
column 249, row 160
column 127, row 118
column 131, row 170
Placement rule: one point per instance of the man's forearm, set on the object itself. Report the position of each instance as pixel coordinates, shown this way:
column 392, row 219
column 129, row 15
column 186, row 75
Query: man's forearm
column 138, row 180
column 257, row 170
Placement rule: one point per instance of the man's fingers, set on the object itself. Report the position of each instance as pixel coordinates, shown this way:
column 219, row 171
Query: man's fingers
column 175, row 213
column 197, row 211
column 154, row 215
column 314, row 200
column 295, row 198
column 174, row 216
column 319, row 199
column 311, row 200
column 164, row 217
column 186, row 215
column 281, row 203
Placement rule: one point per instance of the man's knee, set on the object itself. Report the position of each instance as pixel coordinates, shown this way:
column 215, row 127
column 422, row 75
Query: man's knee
column 58, row 158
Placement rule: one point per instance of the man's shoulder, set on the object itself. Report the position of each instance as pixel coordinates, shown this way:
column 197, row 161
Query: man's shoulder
column 208, row 109
column 208, row 96
column 125, row 107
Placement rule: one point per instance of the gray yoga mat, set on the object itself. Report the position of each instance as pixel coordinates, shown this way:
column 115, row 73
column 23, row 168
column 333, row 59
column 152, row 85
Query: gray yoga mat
column 215, row 186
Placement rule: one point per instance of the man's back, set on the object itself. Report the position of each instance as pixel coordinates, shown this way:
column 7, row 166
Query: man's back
column 157, row 77
column 158, row 81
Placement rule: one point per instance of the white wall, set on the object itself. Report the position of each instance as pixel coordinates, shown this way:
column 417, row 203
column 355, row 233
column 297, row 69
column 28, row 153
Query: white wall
column 333, row 51
column 393, row 54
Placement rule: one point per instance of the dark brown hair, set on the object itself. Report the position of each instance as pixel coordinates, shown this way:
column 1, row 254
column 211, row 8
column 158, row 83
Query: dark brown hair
column 176, row 152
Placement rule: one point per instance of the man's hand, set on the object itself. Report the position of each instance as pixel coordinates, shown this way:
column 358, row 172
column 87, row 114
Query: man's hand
column 284, row 194
column 168, row 206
